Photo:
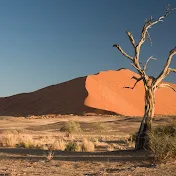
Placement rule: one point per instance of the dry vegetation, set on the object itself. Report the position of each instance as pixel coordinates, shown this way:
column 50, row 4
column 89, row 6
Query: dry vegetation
column 163, row 142
column 83, row 147
column 65, row 142
column 71, row 136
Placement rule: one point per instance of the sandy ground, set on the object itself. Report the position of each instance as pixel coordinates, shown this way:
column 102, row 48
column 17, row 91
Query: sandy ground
column 108, row 90
column 116, row 163
column 17, row 165
column 118, row 125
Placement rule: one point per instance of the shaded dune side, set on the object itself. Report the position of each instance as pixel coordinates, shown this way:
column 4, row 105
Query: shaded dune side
column 103, row 93
column 106, row 91
column 65, row 98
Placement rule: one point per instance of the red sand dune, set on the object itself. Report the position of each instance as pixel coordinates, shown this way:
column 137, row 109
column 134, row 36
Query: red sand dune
column 100, row 93
column 106, row 91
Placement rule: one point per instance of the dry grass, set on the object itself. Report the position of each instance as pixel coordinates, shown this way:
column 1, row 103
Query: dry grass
column 101, row 144
column 16, row 140
column 71, row 127
column 87, row 145
column 59, row 145
column 46, row 134
column 28, row 142
column 63, row 143
column 163, row 142
column 9, row 140
column 72, row 147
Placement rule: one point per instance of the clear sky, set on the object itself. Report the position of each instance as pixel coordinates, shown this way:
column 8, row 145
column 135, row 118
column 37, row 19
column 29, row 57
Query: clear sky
column 45, row 42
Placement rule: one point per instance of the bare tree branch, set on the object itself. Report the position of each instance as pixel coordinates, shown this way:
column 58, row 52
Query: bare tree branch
column 148, row 24
column 166, row 70
column 131, row 38
column 168, row 10
column 150, row 58
column 172, row 70
column 149, row 37
column 137, row 80
column 123, row 52
column 167, row 85
column 134, row 77
column 135, row 67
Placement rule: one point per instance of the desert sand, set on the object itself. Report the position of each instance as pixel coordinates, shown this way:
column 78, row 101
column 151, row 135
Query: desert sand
column 102, row 93
column 107, row 91
column 119, row 161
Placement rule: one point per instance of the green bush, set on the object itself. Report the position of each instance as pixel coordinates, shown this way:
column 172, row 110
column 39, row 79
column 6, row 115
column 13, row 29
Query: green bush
column 162, row 142
column 71, row 127
column 72, row 147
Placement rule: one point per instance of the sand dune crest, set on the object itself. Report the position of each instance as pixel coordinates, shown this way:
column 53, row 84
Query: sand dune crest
column 100, row 93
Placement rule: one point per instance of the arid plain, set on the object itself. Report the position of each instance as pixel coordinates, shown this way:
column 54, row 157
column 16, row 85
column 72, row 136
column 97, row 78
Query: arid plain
column 34, row 139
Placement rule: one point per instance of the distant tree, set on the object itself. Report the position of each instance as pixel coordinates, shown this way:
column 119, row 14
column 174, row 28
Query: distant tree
column 151, row 84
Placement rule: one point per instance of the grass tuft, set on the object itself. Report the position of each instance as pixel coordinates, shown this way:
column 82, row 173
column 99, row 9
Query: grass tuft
column 71, row 127
column 87, row 145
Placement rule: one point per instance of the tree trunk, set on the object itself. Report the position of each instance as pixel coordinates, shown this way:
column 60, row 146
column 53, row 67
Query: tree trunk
column 145, row 127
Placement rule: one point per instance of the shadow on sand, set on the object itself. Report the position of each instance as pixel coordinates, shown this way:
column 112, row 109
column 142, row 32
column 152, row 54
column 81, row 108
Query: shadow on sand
column 115, row 156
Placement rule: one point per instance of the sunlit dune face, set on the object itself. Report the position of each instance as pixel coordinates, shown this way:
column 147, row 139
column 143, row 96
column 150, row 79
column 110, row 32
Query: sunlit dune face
column 106, row 90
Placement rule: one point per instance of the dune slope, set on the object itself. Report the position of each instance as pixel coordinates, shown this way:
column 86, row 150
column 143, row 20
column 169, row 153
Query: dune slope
column 100, row 93
column 107, row 91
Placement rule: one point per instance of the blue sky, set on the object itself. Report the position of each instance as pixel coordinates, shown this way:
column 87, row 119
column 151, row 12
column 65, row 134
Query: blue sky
column 45, row 42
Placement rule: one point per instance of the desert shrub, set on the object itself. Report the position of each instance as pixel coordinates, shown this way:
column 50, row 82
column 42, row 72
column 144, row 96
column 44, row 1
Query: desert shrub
column 162, row 142
column 27, row 141
column 87, row 146
column 9, row 140
column 71, row 127
column 72, row 147
column 166, row 130
column 59, row 145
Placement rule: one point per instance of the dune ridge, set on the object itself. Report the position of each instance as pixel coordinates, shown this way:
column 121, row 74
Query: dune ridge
column 107, row 91
column 102, row 93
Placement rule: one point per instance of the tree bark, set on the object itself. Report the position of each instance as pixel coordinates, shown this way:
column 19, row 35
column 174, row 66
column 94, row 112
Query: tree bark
column 142, row 140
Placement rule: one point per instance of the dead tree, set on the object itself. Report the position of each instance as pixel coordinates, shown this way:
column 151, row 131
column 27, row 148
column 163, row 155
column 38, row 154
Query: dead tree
column 151, row 84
